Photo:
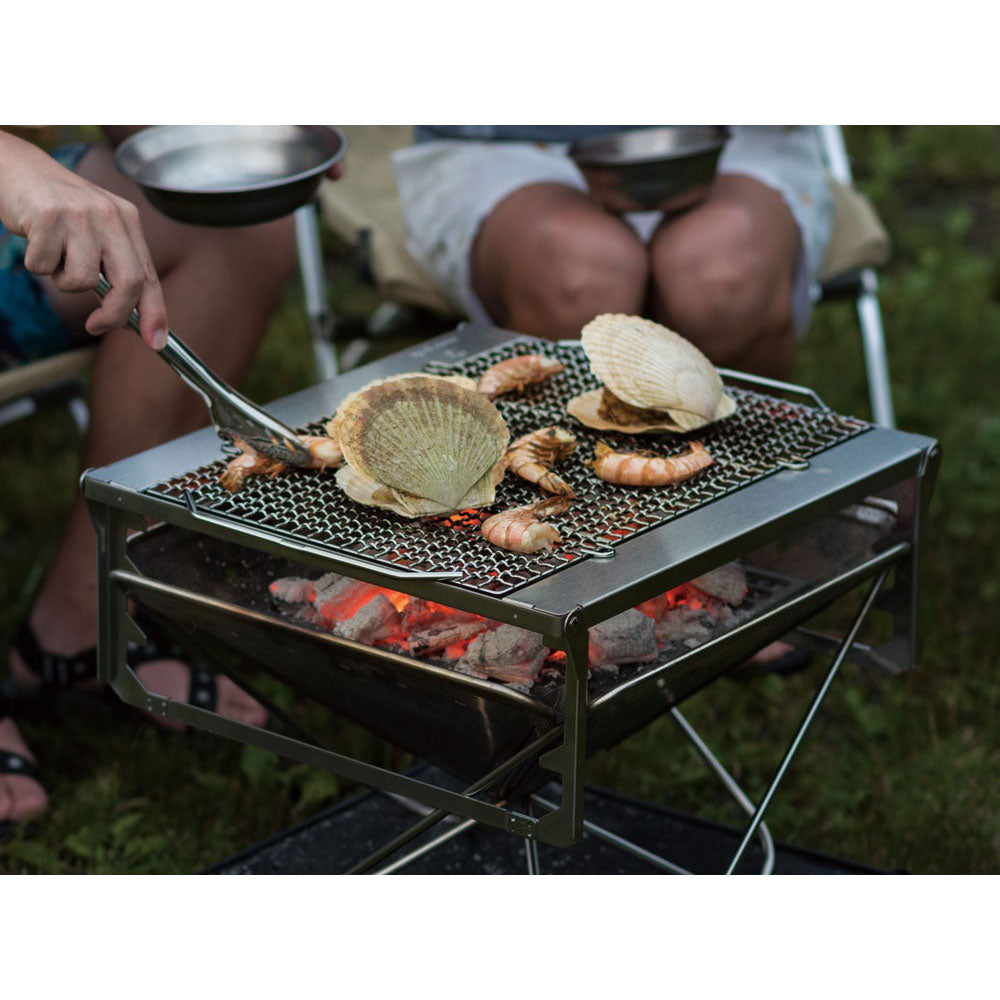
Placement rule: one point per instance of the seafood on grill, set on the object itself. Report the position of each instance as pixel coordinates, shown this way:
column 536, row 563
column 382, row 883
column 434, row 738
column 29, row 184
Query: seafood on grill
column 521, row 529
column 428, row 437
column 653, row 379
column 531, row 455
column 635, row 468
column 366, row 491
column 513, row 374
column 324, row 451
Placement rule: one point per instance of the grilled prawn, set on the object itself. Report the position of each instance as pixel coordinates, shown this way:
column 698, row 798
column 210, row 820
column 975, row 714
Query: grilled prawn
column 325, row 452
column 514, row 374
column 531, row 455
column 632, row 468
column 520, row 528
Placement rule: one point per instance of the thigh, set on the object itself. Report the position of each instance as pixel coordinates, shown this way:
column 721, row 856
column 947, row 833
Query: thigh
column 548, row 240
column 740, row 218
column 449, row 188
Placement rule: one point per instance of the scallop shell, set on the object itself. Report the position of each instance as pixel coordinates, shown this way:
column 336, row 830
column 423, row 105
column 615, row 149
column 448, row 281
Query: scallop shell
column 425, row 435
column 366, row 491
column 652, row 368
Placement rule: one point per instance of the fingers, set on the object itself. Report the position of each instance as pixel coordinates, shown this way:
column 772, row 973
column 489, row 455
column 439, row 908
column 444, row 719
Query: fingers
column 86, row 230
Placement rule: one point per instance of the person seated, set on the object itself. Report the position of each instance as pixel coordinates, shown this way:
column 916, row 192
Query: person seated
column 62, row 219
column 515, row 235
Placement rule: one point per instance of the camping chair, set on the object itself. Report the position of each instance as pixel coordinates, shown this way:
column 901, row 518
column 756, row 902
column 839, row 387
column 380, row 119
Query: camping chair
column 362, row 209
column 25, row 388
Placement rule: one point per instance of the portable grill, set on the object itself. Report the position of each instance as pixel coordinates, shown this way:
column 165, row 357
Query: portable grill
column 812, row 504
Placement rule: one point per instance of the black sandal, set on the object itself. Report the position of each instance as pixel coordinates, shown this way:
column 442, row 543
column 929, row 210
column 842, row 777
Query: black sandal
column 65, row 676
column 15, row 764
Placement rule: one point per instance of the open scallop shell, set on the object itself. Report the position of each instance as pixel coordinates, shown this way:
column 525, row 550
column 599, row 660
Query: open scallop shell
column 366, row 491
column 425, row 435
column 650, row 367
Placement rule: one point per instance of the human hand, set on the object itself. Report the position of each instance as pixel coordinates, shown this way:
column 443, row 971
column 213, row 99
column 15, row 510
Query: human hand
column 76, row 230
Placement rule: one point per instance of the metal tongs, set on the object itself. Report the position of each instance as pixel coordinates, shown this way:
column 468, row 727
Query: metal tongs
column 232, row 413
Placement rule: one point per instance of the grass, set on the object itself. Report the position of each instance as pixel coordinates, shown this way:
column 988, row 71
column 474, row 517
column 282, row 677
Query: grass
column 898, row 772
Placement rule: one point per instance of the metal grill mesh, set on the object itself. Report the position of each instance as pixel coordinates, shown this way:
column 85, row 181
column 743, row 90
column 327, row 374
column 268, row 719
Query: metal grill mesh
column 765, row 435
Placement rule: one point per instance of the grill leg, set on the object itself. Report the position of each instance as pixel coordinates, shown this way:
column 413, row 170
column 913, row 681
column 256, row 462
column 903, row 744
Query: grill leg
column 845, row 646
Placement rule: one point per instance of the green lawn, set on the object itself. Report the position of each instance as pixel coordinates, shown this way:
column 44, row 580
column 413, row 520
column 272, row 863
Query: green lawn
column 898, row 772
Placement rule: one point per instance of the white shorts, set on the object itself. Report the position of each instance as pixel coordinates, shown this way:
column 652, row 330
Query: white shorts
column 448, row 187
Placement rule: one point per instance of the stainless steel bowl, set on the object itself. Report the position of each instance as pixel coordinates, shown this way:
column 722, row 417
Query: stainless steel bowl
column 229, row 175
column 666, row 167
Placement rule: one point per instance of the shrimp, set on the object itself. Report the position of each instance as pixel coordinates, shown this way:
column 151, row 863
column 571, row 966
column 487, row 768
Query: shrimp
column 531, row 455
column 520, row 530
column 515, row 373
column 324, row 451
column 632, row 468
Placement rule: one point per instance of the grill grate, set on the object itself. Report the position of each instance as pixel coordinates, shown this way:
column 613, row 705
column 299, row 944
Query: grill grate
column 765, row 435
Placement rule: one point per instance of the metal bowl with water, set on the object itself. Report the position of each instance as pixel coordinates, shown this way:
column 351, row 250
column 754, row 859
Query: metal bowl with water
column 666, row 167
column 230, row 175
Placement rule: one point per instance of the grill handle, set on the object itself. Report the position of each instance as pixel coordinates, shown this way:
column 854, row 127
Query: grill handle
column 773, row 383
column 325, row 554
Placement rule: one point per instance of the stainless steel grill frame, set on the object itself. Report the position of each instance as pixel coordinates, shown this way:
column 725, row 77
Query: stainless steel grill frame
column 755, row 497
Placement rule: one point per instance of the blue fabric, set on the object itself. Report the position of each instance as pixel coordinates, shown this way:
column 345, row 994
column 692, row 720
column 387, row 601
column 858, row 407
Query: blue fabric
column 29, row 326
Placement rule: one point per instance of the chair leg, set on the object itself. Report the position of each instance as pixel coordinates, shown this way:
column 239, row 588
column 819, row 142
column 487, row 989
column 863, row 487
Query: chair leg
column 876, row 359
column 321, row 321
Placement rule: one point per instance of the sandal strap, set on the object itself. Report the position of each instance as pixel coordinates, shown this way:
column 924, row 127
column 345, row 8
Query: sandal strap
column 52, row 669
column 15, row 763
column 203, row 690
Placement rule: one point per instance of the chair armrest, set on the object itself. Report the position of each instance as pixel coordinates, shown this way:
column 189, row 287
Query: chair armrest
column 858, row 240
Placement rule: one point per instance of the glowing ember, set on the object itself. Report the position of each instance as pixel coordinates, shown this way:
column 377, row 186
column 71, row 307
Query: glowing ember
column 469, row 643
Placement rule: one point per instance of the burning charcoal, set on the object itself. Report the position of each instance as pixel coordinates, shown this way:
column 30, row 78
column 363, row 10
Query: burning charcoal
column 627, row 638
column 308, row 614
column 378, row 619
column 339, row 597
column 292, row 590
column 728, row 583
column 690, row 626
column 442, row 634
column 420, row 615
column 508, row 653
column 656, row 606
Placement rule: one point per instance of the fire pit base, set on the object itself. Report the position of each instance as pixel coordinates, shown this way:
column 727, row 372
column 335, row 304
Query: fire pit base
column 336, row 838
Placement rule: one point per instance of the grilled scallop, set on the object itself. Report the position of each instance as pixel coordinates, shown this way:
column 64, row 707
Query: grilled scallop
column 365, row 491
column 658, row 380
column 425, row 437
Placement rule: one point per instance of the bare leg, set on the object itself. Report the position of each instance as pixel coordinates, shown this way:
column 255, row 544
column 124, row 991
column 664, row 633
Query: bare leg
column 547, row 260
column 723, row 274
column 221, row 286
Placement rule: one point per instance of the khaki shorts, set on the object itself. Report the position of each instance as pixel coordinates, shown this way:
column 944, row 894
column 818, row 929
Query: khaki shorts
column 448, row 187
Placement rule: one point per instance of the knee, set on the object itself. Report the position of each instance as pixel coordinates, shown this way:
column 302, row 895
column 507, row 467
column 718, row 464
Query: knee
column 722, row 295
column 587, row 270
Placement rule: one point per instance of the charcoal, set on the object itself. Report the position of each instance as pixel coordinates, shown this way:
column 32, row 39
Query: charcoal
column 442, row 634
column 292, row 590
column 627, row 638
column 378, row 619
column 728, row 583
column 508, row 653
column 683, row 624
column 337, row 597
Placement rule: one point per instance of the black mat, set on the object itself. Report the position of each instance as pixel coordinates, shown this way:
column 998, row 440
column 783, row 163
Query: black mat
column 339, row 837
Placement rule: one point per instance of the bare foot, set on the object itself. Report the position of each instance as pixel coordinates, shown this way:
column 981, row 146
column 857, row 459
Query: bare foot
column 170, row 679
column 21, row 797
